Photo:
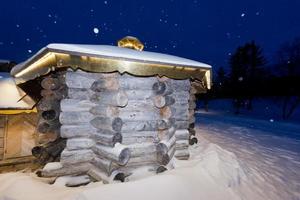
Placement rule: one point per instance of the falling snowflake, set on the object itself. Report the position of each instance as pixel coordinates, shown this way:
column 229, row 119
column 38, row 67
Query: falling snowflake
column 105, row 2
column 257, row 13
column 17, row 25
column 271, row 120
column 241, row 78
column 29, row 51
column 96, row 30
column 243, row 15
column 27, row 40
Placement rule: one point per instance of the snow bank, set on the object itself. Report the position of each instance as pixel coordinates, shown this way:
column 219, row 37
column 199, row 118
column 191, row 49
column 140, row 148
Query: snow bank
column 211, row 173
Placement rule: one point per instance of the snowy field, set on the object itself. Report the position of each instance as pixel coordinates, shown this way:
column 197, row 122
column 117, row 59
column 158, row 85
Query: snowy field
column 236, row 158
column 269, row 153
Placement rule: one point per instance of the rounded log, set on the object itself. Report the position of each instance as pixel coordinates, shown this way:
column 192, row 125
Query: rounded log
column 182, row 134
column 48, row 137
column 138, row 139
column 139, row 115
column 192, row 119
column 166, row 134
column 119, row 153
column 183, row 154
column 182, row 124
column 84, row 130
column 149, row 125
column 55, row 94
column 107, row 123
column 180, row 85
column 80, row 93
column 161, row 101
column 129, row 82
column 162, row 88
column 75, row 117
column 72, row 105
column 104, row 110
column 139, row 105
column 76, row 156
column 104, row 164
column 192, row 131
column 115, row 98
column 182, row 144
column 48, row 104
column 143, row 149
column 108, row 84
column 77, row 169
column 149, row 158
column 99, row 175
column 107, row 139
column 50, row 115
column 81, row 79
column 50, row 83
column 79, row 143
column 48, row 126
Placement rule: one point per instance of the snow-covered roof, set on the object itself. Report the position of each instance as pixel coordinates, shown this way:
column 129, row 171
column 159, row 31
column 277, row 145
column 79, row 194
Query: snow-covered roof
column 105, row 58
column 12, row 97
column 130, row 54
column 4, row 61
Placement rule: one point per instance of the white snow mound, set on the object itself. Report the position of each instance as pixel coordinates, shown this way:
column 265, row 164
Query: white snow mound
column 210, row 173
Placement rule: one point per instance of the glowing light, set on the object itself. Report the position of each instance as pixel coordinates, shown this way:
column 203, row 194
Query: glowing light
column 34, row 65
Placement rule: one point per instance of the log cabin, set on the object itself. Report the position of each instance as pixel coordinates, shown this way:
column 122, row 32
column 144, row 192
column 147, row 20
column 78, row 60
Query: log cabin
column 18, row 119
column 106, row 111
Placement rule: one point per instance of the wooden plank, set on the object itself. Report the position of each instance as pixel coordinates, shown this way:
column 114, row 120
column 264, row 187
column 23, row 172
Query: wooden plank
column 2, row 132
column 1, row 153
column 1, row 142
column 20, row 137
column 2, row 121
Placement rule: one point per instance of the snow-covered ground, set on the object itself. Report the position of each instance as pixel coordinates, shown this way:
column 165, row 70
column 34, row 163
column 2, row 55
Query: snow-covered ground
column 269, row 152
column 236, row 158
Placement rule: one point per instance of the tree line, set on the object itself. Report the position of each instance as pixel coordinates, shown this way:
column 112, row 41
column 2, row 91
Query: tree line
column 249, row 75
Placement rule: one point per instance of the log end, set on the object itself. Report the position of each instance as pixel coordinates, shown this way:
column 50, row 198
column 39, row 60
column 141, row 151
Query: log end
column 122, row 99
column 124, row 156
column 159, row 101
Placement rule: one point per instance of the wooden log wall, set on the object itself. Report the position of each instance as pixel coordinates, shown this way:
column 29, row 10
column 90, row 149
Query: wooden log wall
column 116, row 123
column 48, row 128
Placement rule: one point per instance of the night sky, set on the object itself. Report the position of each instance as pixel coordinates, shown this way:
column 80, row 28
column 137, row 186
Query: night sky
column 207, row 31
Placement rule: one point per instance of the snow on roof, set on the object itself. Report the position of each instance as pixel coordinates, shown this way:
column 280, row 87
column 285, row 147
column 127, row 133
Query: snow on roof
column 117, row 52
column 4, row 61
column 12, row 97
column 105, row 58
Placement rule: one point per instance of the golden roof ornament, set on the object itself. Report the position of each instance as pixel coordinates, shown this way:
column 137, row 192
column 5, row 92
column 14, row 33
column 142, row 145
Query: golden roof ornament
column 131, row 43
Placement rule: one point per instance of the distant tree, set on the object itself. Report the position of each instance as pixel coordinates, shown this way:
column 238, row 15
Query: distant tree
column 289, row 70
column 221, row 76
column 246, row 73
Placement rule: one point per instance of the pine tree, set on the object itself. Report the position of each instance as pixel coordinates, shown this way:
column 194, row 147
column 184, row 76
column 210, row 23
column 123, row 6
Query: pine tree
column 246, row 72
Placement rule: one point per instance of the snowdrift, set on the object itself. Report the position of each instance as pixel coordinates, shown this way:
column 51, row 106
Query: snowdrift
column 211, row 173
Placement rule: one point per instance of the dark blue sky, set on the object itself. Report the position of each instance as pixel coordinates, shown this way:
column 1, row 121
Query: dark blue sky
column 207, row 31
